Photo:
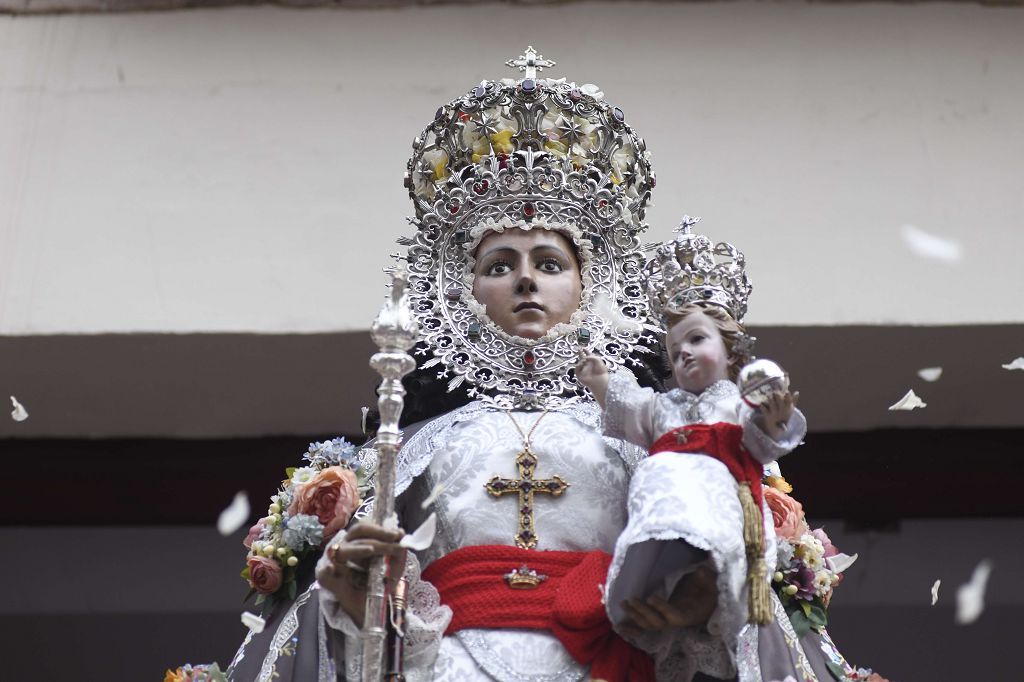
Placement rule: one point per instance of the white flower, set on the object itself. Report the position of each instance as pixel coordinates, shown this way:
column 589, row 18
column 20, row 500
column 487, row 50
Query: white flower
column 303, row 475
column 784, row 552
column 822, row 582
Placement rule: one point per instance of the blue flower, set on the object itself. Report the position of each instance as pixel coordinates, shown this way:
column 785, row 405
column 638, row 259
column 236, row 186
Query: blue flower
column 335, row 452
column 302, row 530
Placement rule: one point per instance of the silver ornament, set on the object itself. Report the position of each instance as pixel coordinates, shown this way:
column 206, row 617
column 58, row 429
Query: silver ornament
column 760, row 379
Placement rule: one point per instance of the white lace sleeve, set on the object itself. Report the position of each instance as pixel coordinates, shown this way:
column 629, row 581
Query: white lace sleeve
column 629, row 410
column 760, row 444
column 426, row 620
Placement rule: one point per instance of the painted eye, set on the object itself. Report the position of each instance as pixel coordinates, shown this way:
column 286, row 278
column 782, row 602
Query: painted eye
column 550, row 265
column 499, row 268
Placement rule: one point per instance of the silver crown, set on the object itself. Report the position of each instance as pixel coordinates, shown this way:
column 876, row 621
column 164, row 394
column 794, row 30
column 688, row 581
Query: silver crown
column 690, row 269
column 518, row 154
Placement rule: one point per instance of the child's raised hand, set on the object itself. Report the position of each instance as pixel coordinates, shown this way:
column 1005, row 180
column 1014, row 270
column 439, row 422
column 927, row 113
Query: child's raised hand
column 777, row 410
column 591, row 372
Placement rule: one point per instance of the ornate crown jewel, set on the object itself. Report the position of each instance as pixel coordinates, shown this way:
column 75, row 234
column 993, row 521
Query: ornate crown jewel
column 524, row 578
column 520, row 155
column 690, row 269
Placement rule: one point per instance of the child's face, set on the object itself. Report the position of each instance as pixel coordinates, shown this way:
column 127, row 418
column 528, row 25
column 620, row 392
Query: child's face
column 697, row 352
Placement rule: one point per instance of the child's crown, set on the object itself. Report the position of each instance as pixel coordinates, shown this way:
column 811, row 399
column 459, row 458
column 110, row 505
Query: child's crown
column 690, row 269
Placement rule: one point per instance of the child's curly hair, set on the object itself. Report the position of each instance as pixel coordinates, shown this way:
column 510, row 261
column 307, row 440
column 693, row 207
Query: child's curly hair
column 731, row 331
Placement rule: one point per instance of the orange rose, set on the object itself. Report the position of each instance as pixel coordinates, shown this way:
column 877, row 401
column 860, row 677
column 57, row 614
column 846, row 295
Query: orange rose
column 787, row 513
column 264, row 574
column 331, row 496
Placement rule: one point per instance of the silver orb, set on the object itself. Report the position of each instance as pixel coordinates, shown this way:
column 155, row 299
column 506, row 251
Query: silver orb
column 760, row 379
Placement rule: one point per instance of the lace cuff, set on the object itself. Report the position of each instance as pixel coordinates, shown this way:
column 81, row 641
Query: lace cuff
column 760, row 444
column 426, row 620
column 627, row 412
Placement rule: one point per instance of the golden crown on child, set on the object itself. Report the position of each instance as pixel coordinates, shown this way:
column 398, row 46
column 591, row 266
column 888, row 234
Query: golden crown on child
column 691, row 269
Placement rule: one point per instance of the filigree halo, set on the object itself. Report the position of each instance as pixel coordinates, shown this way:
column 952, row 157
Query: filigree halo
column 527, row 154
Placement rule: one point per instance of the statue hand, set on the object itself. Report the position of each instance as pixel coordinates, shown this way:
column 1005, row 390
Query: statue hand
column 777, row 411
column 691, row 604
column 347, row 560
column 591, row 372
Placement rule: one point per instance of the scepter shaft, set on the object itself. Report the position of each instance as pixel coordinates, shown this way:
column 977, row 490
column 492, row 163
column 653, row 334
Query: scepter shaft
column 394, row 331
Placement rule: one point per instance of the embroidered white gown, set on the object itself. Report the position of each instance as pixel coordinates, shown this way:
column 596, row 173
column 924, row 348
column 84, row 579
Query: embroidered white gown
column 461, row 452
column 684, row 510
column 310, row 638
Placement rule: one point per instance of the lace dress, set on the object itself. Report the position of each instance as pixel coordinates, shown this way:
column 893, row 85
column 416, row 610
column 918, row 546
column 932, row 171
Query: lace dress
column 311, row 639
column 683, row 511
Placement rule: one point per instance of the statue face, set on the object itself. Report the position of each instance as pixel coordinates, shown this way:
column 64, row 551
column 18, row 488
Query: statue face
column 697, row 351
column 528, row 280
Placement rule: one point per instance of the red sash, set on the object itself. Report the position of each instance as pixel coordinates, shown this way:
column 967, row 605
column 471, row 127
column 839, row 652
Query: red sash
column 472, row 582
column 722, row 441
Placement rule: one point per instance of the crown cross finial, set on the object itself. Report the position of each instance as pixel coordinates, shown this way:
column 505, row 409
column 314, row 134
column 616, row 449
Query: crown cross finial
column 686, row 223
column 530, row 62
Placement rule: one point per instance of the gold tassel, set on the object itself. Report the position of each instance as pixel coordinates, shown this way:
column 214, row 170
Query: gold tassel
column 760, row 610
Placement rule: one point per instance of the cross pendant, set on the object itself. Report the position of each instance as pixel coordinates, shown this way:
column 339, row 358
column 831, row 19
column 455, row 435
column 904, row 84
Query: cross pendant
column 526, row 486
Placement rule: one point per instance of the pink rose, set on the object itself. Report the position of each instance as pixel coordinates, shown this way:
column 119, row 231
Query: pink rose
column 331, row 496
column 254, row 533
column 264, row 574
column 787, row 513
column 830, row 549
column 875, row 677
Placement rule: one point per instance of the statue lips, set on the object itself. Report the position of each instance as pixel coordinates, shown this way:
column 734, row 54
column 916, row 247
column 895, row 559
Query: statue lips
column 528, row 305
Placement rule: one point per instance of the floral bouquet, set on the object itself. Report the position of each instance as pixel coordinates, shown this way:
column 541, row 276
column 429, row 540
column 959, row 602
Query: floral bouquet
column 195, row 673
column 314, row 503
column 808, row 566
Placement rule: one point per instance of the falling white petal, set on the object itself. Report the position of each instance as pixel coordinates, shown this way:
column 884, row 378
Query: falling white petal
column 970, row 597
column 1016, row 364
column 928, row 245
column 364, row 410
column 423, row 536
column 253, row 622
column 930, row 373
column 235, row 515
column 840, row 562
column 908, row 402
column 432, row 497
column 611, row 313
column 935, row 591
column 19, row 413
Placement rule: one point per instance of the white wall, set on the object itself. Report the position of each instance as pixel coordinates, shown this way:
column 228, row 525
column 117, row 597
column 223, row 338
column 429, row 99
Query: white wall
column 240, row 169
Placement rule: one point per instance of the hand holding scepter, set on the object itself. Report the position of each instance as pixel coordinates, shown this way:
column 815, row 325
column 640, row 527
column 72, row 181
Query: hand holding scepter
column 395, row 332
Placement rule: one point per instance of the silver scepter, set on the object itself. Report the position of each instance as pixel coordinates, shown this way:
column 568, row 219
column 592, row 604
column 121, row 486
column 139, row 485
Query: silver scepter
column 395, row 332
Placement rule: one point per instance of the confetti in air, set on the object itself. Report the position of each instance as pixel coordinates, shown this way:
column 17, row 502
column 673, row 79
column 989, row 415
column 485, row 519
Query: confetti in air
column 432, row 497
column 931, row 246
column 935, row 591
column 19, row 413
column 930, row 373
column 253, row 622
column 235, row 516
column 423, row 536
column 908, row 402
column 1016, row 364
column 970, row 597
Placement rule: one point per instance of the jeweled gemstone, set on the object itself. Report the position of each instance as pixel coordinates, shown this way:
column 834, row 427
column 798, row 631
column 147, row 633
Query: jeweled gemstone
column 439, row 114
column 575, row 95
column 619, row 116
column 529, row 85
column 529, row 358
column 479, row 91
column 529, row 210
